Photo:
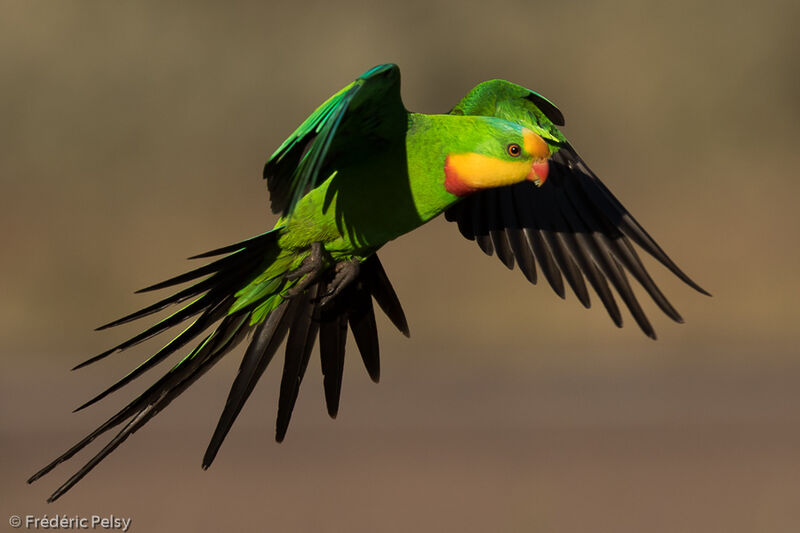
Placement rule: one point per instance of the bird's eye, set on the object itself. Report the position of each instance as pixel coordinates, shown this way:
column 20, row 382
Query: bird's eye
column 514, row 150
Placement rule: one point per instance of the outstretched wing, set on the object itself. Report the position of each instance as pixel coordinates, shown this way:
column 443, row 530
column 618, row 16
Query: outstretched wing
column 572, row 226
column 366, row 112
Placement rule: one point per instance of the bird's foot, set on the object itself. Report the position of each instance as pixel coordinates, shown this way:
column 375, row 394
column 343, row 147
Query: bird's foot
column 310, row 270
column 345, row 273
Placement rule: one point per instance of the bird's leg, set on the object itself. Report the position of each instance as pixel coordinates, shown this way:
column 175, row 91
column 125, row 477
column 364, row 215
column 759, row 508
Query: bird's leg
column 346, row 272
column 310, row 270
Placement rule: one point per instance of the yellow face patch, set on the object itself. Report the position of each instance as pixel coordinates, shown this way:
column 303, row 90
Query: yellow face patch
column 466, row 173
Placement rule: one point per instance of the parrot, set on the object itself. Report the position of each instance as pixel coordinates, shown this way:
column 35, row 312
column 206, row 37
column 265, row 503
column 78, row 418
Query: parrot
column 360, row 171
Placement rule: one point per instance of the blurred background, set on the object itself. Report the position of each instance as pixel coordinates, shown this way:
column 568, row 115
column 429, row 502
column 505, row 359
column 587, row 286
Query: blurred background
column 134, row 135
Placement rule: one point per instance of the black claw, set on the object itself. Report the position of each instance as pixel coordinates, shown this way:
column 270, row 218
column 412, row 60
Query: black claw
column 310, row 270
column 346, row 273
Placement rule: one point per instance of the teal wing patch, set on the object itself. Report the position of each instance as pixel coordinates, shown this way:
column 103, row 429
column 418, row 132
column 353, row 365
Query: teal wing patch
column 367, row 107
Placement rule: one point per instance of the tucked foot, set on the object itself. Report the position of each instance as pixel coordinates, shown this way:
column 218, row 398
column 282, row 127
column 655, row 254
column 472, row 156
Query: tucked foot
column 310, row 270
column 346, row 273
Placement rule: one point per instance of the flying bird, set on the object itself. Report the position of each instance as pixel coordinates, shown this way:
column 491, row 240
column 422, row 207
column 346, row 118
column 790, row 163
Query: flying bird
column 360, row 171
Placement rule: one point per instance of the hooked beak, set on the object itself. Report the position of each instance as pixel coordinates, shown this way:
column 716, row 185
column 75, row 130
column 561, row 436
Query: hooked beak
column 536, row 146
column 539, row 171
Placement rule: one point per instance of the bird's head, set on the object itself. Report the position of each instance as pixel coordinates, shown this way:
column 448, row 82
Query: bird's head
column 497, row 153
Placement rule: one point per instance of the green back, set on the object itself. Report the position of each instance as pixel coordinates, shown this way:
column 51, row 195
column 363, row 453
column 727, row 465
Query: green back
column 366, row 113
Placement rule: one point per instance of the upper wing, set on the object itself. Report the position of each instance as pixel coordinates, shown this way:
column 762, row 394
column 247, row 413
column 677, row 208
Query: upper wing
column 368, row 111
column 572, row 226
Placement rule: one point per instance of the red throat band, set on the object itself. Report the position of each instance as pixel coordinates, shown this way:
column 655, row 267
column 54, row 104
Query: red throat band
column 452, row 183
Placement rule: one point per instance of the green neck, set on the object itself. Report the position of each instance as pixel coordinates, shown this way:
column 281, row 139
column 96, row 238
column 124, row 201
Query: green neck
column 428, row 141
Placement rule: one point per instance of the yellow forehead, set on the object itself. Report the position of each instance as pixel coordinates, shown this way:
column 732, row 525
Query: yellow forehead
column 535, row 145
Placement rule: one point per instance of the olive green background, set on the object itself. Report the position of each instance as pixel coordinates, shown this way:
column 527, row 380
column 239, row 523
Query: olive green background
column 133, row 136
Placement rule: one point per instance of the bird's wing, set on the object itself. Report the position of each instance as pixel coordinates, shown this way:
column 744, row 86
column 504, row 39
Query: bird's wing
column 367, row 112
column 572, row 225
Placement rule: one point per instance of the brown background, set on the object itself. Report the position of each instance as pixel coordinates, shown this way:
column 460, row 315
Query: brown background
column 133, row 135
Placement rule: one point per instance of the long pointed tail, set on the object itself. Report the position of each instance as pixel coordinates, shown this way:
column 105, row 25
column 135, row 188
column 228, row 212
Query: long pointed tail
column 247, row 290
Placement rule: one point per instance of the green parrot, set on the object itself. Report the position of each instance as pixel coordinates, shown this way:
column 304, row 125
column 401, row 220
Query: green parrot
column 361, row 171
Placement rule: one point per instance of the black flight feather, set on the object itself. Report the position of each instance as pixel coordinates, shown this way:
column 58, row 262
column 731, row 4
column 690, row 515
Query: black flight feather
column 332, row 340
column 361, row 318
column 574, row 228
column 266, row 340
column 301, row 339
